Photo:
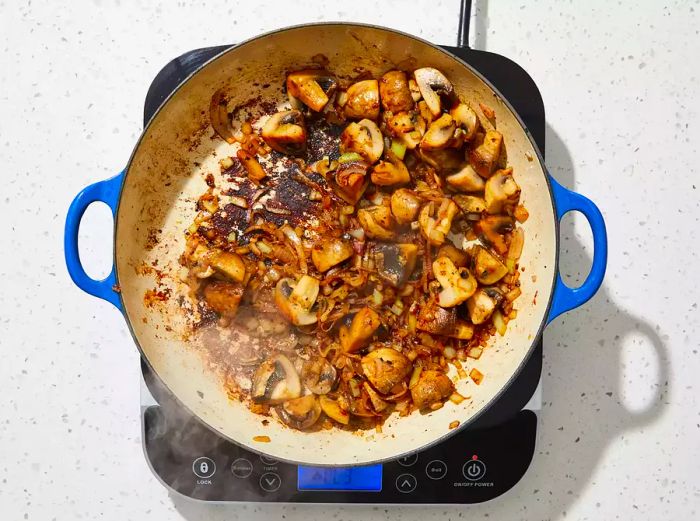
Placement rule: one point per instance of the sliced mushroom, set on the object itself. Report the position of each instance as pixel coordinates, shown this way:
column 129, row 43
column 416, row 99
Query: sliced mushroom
column 385, row 367
column 436, row 221
column 485, row 156
column 334, row 409
column 405, row 205
column 387, row 173
column 466, row 179
column 362, row 100
column 462, row 330
column 378, row 404
column 305, row 292
column 415, row 91
column 363, row 137
column 313, row 87
column 439, row 134
column 458, row 257
column 275, row 381
column 493, row 230
column 482, row 304
column 286, row 132
column 223, row 297
column 488, row 269
column 394, row 262
column 395, row 92
column 328, row 252
column 300, row 413
column 445, row 159
column 433, row 86
column 501, row 191
column 350, row 181
column 401, row 123
column 433, row 387
column 435, row 319
column 471, row 205
column 296, row 314
column 466, row 119
column 363, row 325
column 377, row 222
column 457, row 284
column 318, row 375
column 228, row 264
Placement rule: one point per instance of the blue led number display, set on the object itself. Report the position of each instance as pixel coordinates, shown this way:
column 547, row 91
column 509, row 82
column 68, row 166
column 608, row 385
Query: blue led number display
column 364, row 479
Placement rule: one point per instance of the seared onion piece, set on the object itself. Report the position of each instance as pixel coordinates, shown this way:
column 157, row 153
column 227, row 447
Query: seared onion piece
column 466, row 119
column 405, row 205
column 466, row 179
column 432, row 387
column 363, row 137
column 394, row 262
column 482, row 304
column 228, row 264
column 291, row 235
column 377, row 222
column 435, row 222
column 462, row 330
column 386, row 367
column 501, row 191
column 485, row 156
column 328, row 252
column 358, row 333
column 390, row 173
column 350, row 181
column 318, row 375
column 293, row 312
column 275, row 381
column 433, row 86
column 286, row 132
column 218, row 116
column 254, row 169
column 334, row 409
column 313, row 87
column 439, row 134
column 395, row 92
column 458, row 285
column 362, row 100
column 515, row 248
column 488, row 269
column 223, row 297
column 300, row 413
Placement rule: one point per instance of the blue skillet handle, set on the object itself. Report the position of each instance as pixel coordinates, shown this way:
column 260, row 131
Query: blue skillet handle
column 106, row 191
column 564, row 297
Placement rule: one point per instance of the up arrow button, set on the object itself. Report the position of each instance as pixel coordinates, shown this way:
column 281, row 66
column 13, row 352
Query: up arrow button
column 406, row 483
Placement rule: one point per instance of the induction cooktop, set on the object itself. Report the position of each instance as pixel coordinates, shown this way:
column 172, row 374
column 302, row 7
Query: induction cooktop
column 477, row 464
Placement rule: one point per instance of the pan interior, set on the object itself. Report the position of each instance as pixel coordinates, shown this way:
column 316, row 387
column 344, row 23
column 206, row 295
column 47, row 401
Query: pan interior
column 166, row 176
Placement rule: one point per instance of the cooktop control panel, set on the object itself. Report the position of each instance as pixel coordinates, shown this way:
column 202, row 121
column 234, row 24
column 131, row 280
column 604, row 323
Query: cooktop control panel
column 470, row 467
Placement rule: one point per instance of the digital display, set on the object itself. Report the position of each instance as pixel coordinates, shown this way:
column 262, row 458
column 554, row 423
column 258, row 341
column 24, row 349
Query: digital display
column 363, row 479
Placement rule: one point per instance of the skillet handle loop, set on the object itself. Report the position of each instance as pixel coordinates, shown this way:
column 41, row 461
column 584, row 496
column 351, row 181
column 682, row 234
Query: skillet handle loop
column 107, row 192
column 565, row 298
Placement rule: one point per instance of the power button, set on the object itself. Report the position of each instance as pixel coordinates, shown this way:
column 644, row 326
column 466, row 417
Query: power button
column 474, row 469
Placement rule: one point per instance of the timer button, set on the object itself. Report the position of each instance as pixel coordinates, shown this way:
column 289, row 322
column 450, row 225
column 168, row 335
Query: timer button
column 474, row 469
column 409, row 460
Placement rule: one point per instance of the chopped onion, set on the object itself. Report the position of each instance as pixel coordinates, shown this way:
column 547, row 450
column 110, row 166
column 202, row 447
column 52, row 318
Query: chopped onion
column 397, row 308
column 358, row 233
column 377, row 297
column 238, row 201
column 264, row 247
column 415, row 376
column 475, row 353
column 295, row 241
column 499, row 322
column 450, row 352
column 456, row 398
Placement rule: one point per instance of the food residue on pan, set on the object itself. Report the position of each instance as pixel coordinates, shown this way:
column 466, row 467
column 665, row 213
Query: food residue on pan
column 262, row 439
column 362, row 243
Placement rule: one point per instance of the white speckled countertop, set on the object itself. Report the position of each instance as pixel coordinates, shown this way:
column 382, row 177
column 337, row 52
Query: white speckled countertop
column 619, row 435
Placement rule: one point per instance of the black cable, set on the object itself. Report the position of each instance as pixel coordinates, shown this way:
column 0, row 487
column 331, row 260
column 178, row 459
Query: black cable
column 465, row 13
